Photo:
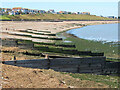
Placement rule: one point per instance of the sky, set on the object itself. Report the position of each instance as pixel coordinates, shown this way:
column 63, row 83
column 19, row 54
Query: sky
column 98, row 7
column 60, row 0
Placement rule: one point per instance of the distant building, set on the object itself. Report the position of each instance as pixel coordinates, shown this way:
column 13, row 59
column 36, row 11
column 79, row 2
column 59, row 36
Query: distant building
column 33, row 11
column 17, row 9
column 101, row 16
column 69, row 12
column 0, row 12
column 57, row 13
column 74, row 13
column 25, row 10
column 20, row 10
column 77, row 13
column 85, row 13
column 63, row 12
column 11, row 13
column 5, row 11
column 111, row 17
column 41, row 11
column 51, row 11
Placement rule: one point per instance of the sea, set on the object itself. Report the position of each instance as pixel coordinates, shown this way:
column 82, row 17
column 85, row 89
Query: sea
column 104, row 32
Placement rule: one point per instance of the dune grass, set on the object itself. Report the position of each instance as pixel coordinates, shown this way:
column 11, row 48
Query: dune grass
column 4, row 17
column 55, row 17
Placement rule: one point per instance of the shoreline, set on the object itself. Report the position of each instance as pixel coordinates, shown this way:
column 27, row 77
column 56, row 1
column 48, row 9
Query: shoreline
column 69, row 37
column 81, row 27
column 47, row 78
column 104, row 41
column 104, row 22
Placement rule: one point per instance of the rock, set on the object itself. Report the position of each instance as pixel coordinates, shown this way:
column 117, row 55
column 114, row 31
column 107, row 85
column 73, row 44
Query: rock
column 40, row 71
column 34, row 72
column 63, row 82
column 71, row 87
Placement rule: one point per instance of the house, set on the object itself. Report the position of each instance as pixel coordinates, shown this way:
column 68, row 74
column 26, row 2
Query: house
column 85, row 13
column 57, row 13
column 0, row 12
column 78, row 12
column 63, row 12
column 74, row 13
column 11, row 13
column 17, row 9
column 41, row 11
column 25, row 10
column 5, row 11
column 33, row 11
column 101, row 16
column 69, row 12
column 111, row 17
column 51, row 11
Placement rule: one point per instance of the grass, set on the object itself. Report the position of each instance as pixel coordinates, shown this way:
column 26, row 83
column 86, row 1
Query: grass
column 112, row 81
column 4, row 17
column 55, row 17
column 110, row 50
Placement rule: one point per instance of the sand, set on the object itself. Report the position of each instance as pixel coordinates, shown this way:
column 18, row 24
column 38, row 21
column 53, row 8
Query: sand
column 54, row 27
column 19, row 77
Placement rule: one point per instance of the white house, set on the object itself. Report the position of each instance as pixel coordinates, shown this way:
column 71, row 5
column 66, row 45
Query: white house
column 25, row 11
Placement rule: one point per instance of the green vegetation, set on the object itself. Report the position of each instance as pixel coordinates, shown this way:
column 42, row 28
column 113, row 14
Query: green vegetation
column 60, row 48
column 112, row 81
column 110, row 50
column 54, row 17
column 4, row 17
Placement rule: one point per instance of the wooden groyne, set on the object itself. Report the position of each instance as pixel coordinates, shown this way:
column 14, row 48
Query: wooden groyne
column 96, row 65
column 14, row 43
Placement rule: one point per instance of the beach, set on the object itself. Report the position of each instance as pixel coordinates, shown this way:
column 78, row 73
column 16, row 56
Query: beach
column 53, row 27
column 21, row 77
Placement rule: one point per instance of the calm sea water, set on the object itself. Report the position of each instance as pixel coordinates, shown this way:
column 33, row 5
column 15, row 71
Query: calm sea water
column 104, row 32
